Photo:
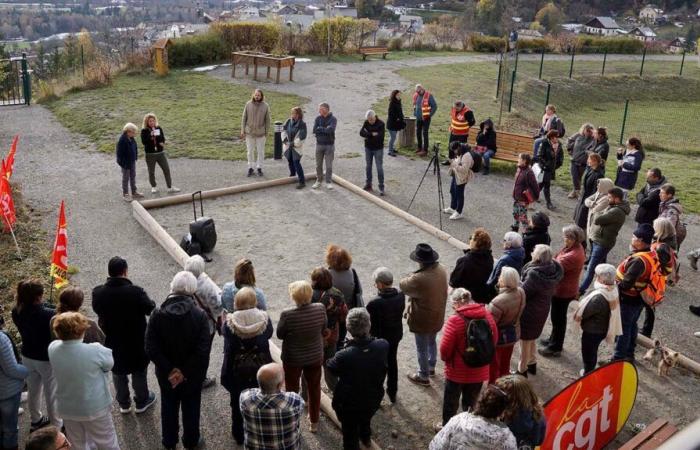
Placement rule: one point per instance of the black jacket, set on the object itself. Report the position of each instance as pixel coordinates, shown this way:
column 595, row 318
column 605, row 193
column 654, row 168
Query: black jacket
column 596, row 317
column 648, row 200
column 232, row 346
column 121, row 309
column 532, row 237
column 486, row 139
column 361, row 369
column 602, row 148
column 386, row 314
column 127, row 151
column 178, row 337
column 547, row 158
column 590, row 187
column 152, row 144
column 33, row 326
column 471, row 272
column 395, row 119
column 367, row 131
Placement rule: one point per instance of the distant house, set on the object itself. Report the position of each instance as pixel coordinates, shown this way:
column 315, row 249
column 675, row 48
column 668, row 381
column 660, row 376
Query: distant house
column 298, row 22
column 644, row 34
column 650, row 14
column 247, row 12
column 602, row 25
column 572, row 27
column 527, row 35
column 288, row 10
column 336, row 11
column 398, row 10
column 414, row 22
column 678, row 45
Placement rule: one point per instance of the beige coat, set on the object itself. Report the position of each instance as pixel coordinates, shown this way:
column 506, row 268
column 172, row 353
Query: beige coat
column 427, row 296
column 597, row 203
column 461, row 168
column 507, row 307
column 256, row 119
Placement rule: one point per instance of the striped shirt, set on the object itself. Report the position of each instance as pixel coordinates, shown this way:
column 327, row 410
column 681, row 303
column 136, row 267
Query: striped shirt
column 301, row 331
column 271, row 422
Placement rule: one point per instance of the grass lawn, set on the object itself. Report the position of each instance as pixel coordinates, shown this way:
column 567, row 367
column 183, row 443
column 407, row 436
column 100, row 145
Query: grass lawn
column 200, row 115
column 663, row 111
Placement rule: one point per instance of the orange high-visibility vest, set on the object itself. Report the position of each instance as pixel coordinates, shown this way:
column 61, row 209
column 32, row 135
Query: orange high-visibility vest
column 425, row 106
column 459, row 125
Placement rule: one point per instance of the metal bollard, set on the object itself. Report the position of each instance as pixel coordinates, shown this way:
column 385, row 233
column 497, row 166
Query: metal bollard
column 278, row 140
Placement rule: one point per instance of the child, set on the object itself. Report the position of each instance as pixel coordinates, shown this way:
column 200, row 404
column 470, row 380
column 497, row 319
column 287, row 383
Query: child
column 525, row 191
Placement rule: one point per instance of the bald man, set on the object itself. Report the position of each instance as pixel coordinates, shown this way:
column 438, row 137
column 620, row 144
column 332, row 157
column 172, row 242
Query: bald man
column 271, row 417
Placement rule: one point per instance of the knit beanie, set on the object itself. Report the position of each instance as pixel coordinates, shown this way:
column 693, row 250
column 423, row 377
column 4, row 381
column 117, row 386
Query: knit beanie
column 644, row 233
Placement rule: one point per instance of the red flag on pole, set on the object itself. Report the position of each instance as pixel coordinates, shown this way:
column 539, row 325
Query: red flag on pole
column 7, row 205
column 10, row 160
column 59, row 256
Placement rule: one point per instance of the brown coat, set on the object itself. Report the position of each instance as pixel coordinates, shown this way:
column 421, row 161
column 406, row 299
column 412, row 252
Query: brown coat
column 507, row 307
column 426, row 290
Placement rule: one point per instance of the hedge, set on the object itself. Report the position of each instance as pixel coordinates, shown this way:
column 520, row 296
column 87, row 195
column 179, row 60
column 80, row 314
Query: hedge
column 199, row 49
column 248, row 35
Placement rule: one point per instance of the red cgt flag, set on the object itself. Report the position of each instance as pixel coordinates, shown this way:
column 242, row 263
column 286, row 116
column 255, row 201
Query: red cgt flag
column 59, row 256
column 10, row 160
column 7, row 206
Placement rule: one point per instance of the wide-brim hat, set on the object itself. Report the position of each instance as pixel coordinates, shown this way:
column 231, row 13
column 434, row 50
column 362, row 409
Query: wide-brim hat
column 425, row 254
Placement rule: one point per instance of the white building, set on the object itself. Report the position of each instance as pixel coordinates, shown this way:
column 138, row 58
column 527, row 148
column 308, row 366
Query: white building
column 650, row 14
column 336, row 11
column 644, row 34
column 406, row 21
column 602, row 26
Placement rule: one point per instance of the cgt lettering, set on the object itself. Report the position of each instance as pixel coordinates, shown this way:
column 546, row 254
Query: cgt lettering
column 585, row 428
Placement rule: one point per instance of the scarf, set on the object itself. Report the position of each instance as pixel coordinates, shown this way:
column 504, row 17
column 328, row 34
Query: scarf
column 611, row 295
column 247, row 323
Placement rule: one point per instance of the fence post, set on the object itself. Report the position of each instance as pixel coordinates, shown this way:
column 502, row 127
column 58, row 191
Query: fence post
column 82, row 61
column 498, row 79
column 605, row 59
column 26, row 82
column 624, row 121
column 571, row 67
column 644, row 57
column 546, row 100
column 680, row 74
column 516, row 60
column 512, row 84
column 541, row 63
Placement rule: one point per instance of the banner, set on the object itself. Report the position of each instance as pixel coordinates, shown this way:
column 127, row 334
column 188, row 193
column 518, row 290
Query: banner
column 10, row 160
column 59, row 256
column 7, row 205
column 590, row 412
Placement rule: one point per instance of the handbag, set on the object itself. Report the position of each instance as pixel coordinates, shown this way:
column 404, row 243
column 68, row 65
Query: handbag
column 509, row 334
column 539, row 172
column 480, row 149
column 357, row 291
column 529, row 198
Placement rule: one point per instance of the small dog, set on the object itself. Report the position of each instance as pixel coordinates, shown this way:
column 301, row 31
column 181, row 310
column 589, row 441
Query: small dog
column 663, row 358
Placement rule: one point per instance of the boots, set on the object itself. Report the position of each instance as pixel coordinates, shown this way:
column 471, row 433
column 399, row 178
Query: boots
column 573, row 194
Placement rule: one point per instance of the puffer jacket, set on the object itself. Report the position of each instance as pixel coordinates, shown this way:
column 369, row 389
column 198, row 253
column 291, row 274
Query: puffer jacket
column 539, row 282
column 607, row 225
column 244, row 330
column 471, row 272
column 507, row 307
column 461, row 168
column 454, row 341
column 571, row 260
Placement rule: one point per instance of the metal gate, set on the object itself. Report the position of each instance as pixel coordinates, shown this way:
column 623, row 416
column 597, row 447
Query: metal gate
column 15, row 84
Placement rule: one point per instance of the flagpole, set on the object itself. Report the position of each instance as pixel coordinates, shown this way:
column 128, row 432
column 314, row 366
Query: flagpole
column 14, row 238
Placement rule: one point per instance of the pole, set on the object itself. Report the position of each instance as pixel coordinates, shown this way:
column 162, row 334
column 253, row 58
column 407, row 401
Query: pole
column 27, row 93
column 541, row 64
column 328, row 11
column 624, row 121
column 571, row 67
column 82, row 60
column 498, row 78
column 549, row 88
column 605, row 59
column 680, row 74
column 14, row 238
column 516, row 60
column 512, row 83
column 644, row 56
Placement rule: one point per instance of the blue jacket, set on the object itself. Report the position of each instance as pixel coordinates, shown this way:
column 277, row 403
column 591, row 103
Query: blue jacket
column 230, row 290
column 527, row 432
column 512, row 257
column 324, row 129
column 418, row 107
column 12, row 373
column 627, row 173
column 127, row 151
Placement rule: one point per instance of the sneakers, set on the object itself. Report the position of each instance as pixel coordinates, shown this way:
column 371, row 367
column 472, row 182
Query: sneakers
column 136, row 195
column 260, row 172
column 208, row 382
column 251, row 172
column 316, row 185
column 127, row 198
column 416, row 379
column 154, row 190
column 313, row 426
column 392, row 154
column 581, row 372
column 41, row 423
column 329, row 186
column 693, row 260
column 456, row 216
column 381, row 192
column 173, row 189
column 449, row 211
column 123, row 410
column 150, row 402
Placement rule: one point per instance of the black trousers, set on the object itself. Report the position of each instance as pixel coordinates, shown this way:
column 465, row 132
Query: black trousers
column 422, row 129
column 188, row 397
column 392, row 375
column 236, row 416
column 469, row 392
column 558, row 316
column 355, row 426
column 589, row 350
column 649, row 318
column 545, row 186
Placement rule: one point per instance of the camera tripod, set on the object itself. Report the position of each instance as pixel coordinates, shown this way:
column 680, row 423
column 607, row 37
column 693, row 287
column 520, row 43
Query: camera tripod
column 434, row 163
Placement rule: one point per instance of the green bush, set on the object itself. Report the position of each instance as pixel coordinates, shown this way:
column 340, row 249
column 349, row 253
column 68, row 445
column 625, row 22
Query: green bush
column 395, row 44
column 248, row 35
column 194, row 50
column 533, row 45
column 595, row 44
column 486, row 44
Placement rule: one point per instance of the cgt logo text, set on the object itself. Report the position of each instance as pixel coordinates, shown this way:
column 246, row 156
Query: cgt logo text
column 588, row 414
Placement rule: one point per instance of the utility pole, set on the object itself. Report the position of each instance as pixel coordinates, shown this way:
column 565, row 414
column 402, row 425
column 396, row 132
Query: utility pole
column 328, row 13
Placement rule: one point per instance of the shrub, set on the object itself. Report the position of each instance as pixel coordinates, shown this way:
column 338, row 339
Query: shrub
column 200, row 49
column 138, row 62
column 341, row 28
column 248, row 35
column 479, row 43
column 596, row 44
column 533, row 45
column 395, row 44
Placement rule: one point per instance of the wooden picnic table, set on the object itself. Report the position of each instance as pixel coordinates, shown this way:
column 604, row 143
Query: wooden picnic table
column 256, row 59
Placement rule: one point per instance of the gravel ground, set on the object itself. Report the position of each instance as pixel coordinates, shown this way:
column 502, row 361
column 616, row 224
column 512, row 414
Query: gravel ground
column 53, row 164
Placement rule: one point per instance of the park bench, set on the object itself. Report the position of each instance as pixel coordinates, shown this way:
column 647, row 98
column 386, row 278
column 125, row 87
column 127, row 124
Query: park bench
column 376, row 50
column 652, row 437
column 510, row 145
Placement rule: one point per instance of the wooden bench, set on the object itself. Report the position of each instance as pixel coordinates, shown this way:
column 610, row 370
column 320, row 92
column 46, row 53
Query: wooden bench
column 365, row 51
column 658, row 432
column 510, row 145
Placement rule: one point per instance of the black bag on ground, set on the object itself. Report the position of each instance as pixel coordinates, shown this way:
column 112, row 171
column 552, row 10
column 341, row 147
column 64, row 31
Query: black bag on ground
column 202, row 229
column 479, row 349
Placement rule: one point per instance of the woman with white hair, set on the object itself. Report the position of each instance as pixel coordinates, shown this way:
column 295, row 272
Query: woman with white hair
column 513, row 256
column 361, row 369
column 506, row 309
column 127, row 154
column 598, row 313
column 178, row 343
column 540, row 279
column 373, row 132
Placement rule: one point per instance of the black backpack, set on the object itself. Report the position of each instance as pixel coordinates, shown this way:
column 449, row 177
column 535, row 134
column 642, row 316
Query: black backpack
column 478, row 161
column 246, row 363
column 479, row 349
column 559, row 126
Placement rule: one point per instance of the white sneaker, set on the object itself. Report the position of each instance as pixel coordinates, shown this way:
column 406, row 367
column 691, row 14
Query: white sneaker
column 329, row 186
column 316, row 185
column 154, row 190
column 173, row 190
column 582, row 372
column 20, row 411
column 125, row 410
column 456, row 216
column 23, row 397
column 449, row 211
column 127, row 197
column 696, row 334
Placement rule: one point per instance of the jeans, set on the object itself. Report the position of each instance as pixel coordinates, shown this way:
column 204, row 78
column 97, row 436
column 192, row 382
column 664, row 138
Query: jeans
column 324, row 152
column 378, row 156
column 312, row 376
column 500, row 365
column 161, row 159
column 560, row 306
column 129, row 178
column 295, row 168
column 426, row 348
column 649, row 318
column 625, row 344
column 469, row 392
column 599, row 255
column 255, row 145
column 422, row 129
column 139, row 382
column 488, row 154
column 188, row 397
column 355, row 426
column 8, row 421
column 392, row 140
column 576, row 174
column 589, row 350
column 392, row 372
column 41, row 381
column 457, row 195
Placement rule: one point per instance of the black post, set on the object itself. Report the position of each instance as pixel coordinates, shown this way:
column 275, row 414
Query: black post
column 26, row 84
column 498, row 79
column 605, row 58
column 512, row 84
column 624, row 121
column 549, row 88
column 644, row 57
column 680, row 74
column 278, row 140
column 541, row 64
column 571, row 67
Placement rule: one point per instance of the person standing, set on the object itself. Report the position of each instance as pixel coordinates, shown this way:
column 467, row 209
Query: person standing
column 571, row 257
column 324, row 130
column 461, row 119
column 386, row 313
column 127, row 154
column 513, row 256
column 82, row 392
column 596, row 204
column 578, row 146
column 461, row 163
column 426, row 289
column 486, row 143
column 243, row 276
column 345, row 279
column 373, row 133
column 603, row 233
column 594, row 172
column 548, row 159
column 424, row 107
column 271, row 416
column 670, row 208
column 648, row 198
column 293, row 137
column 255, row 124
column 153, row 140
column 32, row 317
column 178, row 343
column 395, row 121
column 462, row 380
column 550, row 121
column 601, row 146
column 537, row 232
column 472, row 270
column 121, row 308
column 629, row 163
column 12, row 376
column 525, row 191
column 361, row 369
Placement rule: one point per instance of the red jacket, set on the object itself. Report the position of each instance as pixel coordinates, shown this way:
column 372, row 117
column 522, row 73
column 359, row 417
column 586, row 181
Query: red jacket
column 454, row 340
column 572, row 260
